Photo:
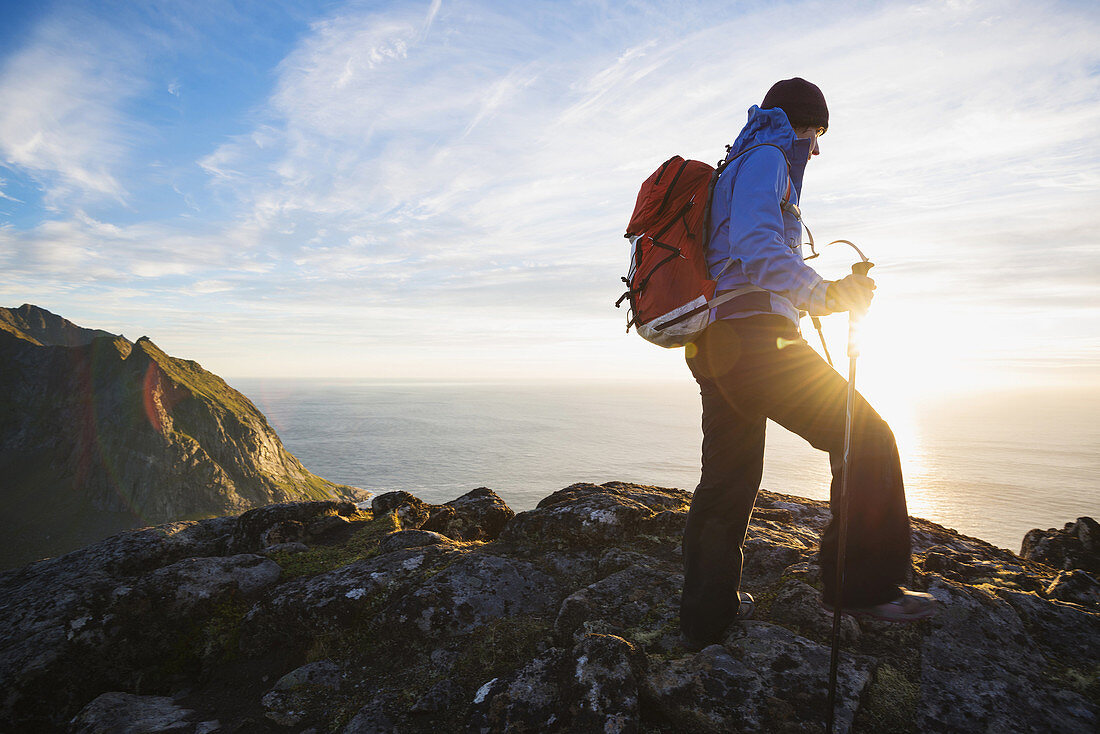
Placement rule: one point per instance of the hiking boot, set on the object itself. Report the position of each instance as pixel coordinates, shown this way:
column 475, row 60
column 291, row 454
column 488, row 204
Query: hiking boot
column 745, row 609
column 911, row 606
column 747, row 605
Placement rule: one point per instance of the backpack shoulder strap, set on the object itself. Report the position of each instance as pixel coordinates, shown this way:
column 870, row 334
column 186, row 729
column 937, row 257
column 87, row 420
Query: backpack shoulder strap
column 784, row 204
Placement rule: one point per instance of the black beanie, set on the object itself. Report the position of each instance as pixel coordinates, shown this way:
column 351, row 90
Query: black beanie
column 802, row 101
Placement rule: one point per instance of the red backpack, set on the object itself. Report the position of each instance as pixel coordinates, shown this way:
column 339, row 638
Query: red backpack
column 669, row 287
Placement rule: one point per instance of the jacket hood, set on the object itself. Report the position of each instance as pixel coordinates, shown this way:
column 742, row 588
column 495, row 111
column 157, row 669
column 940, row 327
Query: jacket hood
column 771, row 127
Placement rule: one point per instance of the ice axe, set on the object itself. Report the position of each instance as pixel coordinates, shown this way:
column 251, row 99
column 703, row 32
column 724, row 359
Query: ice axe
column 859, row 268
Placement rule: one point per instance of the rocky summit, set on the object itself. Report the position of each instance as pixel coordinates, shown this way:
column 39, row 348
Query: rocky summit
column 99, row 434
column 409, row 617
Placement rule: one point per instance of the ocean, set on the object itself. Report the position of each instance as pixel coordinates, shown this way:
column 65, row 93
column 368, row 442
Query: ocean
column 991, row 466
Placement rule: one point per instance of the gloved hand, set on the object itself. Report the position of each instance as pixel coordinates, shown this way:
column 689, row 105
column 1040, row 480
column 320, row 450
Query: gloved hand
column 851, row 293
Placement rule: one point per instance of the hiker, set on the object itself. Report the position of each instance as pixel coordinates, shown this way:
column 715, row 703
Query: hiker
column 752, row 364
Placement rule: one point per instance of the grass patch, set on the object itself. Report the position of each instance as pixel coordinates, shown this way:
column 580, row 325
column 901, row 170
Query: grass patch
column 1000, row 580
column 310, row 487
column 764, row 598
column 890, row 705
column 362, row 544
column 191, row 375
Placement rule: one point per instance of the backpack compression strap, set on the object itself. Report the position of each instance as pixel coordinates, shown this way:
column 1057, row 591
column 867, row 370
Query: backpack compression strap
column 712, row 303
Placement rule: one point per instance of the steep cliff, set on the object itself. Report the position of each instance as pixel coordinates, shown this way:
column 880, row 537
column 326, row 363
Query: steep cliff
column 409, row 617
column 98, row 435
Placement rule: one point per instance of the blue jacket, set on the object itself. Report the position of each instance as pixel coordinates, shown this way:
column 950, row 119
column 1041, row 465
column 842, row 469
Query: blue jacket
column 751, row 233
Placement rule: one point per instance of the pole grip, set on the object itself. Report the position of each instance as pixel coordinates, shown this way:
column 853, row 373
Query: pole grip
column 861, row 268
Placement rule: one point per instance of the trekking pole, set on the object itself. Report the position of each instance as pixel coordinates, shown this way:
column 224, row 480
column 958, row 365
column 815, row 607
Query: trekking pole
column 816, row 321
column 860, row 268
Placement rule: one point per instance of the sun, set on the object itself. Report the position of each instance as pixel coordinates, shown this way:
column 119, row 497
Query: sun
column 904, row 363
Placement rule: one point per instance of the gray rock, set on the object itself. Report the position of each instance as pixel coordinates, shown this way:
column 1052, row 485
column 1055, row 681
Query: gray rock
column 282, row 708
column 411, row 512
column 1066, row 633
column 591, row 516
column 295, row 547
column 1075, row 586
column 529, row 700
column 326, row 526
column 798, row 606
column 475, row 590
column 81, row 624
column 370, row 719
column 439, row 697
column 297, row 695
column 323, row 673
column 639, row 602
column 593, row 687
column 331, row 602
column 608, row 676
column 480, row 514
column 125, row 713
column 1077, row 545
column 571, row 567
column 186, row 584
column 982, row 671
column 443, row 659
column 761, row 679
column 130, row 553
column 806, row 571
column 285, row 523
column 976, row 565
column 772, row 507
column 616, row 559
column 767, row 557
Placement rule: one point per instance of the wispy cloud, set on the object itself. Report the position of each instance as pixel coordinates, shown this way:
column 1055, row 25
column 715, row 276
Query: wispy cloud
column 3, row 183
column 433, row 10
column 60, row 120
column 83, row 250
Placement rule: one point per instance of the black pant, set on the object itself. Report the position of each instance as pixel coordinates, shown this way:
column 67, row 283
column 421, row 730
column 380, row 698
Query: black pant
column 755, row 368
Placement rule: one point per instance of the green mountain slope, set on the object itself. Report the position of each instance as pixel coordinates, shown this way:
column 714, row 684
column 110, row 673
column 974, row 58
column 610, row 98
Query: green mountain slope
column 106, row 435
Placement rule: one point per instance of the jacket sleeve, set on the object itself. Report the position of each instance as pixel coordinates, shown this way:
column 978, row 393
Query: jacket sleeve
column 756, row 234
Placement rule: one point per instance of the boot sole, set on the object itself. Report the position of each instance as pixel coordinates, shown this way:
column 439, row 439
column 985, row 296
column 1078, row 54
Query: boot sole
column 896, row 619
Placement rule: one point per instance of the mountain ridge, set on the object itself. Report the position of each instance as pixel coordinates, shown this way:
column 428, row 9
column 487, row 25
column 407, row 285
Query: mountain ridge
column 45, row 328
column 108, row 434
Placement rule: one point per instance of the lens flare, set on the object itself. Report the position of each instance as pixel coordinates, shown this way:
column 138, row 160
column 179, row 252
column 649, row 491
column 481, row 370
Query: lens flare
column 150, row 397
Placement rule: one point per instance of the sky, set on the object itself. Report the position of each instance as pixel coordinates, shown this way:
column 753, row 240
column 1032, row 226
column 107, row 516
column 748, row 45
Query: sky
column 439, row 189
